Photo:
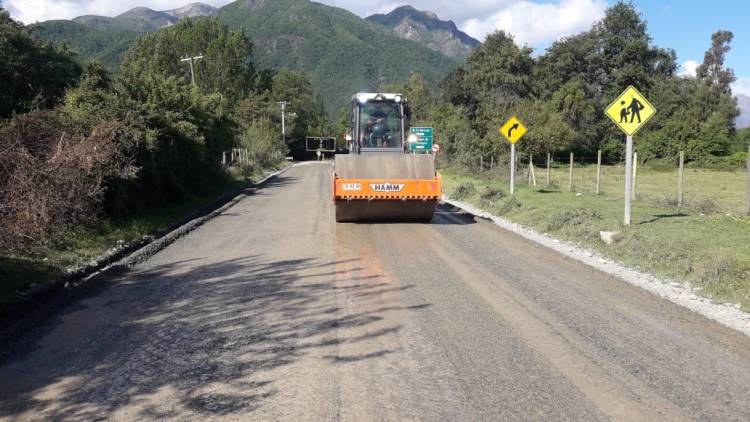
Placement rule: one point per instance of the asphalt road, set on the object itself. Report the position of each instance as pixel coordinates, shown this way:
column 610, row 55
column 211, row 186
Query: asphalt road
column 272, row 311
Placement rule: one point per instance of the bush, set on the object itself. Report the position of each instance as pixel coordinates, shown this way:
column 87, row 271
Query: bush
column 662, row 164
column 261, row 138
column 492, row 195
column 732, row 162
column 511, row 204
column 464, row 190
column 574, row 217
column 49, row 178
column 707, row 206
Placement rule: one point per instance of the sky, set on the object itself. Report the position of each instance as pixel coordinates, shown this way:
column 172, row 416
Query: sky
column 684, row 25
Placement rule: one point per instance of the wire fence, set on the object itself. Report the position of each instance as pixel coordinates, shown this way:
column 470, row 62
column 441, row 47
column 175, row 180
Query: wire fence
column 706, row 190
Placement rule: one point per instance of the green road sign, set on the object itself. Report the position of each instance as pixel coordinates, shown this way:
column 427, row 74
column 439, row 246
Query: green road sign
column 420, row 139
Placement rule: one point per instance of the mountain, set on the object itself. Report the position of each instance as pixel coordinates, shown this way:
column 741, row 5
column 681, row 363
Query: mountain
column 340, row 52
column 192, row 10
column 143, row 19
column 743, row 103
column 106, row 46
column 426, row 28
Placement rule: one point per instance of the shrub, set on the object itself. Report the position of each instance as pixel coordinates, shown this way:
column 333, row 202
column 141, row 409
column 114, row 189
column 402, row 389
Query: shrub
column 731, row 162
column 574, row 217
column 49, row 178
column 492, row 195
column 464, row 190
column 262, row 140
column 707, row 206
column 508, row 206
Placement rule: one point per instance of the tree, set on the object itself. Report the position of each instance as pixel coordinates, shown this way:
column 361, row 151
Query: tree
column 419, row 97
column 712, row 71
column 551, row 133
column 499, row 71
column 226, row 67
column 34, row 74
column 716, row 108
column 305, row 111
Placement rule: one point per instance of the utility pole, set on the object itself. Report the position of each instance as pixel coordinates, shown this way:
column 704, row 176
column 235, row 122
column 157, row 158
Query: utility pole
column 191, row 60
column 283, row 119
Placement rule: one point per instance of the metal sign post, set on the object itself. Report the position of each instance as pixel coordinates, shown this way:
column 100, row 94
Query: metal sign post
column 513, row 130
column 512, row 169
column 630, row 111
column 628, row 177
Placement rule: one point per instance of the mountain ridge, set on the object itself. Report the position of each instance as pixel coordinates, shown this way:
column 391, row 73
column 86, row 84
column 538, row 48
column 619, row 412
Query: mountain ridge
column 144, row 19
column 426, row 27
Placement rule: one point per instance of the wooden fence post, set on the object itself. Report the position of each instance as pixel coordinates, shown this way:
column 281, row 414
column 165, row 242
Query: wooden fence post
column 598, row 171
column 531, row 169
column 680, row 179
column 548, row 165
column 481, row 162
column 528, row 173
column 570, row 175
column 635, row 168
column 492, row 162
column 748, row 180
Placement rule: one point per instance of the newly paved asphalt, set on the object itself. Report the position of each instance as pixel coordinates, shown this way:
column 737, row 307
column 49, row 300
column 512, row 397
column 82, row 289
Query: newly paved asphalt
column 272, row 311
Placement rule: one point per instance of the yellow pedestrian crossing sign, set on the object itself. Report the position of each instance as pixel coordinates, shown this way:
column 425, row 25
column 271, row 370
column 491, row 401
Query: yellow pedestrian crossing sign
column 513, row 130
column 630, row 111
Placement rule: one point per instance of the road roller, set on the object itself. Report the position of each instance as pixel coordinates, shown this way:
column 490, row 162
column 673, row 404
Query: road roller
column 385, row 176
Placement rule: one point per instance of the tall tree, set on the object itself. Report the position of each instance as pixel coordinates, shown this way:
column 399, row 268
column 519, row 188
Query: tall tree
column 712, row 71
column 420, row 99
column 34, row 74
column 499, row 71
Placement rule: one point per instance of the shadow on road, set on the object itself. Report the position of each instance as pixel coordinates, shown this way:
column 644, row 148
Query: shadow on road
column 203, row 337
column 446, row 214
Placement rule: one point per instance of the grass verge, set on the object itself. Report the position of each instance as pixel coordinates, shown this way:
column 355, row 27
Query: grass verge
column 698, row 243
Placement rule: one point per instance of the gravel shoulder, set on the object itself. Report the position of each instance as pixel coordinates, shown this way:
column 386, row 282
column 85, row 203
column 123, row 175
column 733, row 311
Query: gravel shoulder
column 680, row 293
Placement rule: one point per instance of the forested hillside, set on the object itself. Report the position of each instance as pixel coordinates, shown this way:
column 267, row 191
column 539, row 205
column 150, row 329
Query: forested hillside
column 89, row 43
column 340, row 52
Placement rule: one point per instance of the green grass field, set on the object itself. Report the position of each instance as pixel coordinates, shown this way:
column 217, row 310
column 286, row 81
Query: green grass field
column 712, row 191
column 706, row 242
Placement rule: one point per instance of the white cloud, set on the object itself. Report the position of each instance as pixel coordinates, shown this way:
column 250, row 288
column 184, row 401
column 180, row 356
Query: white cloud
column 741, row 86
column 688, row 68
column 30, row 11
column 536, row 24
